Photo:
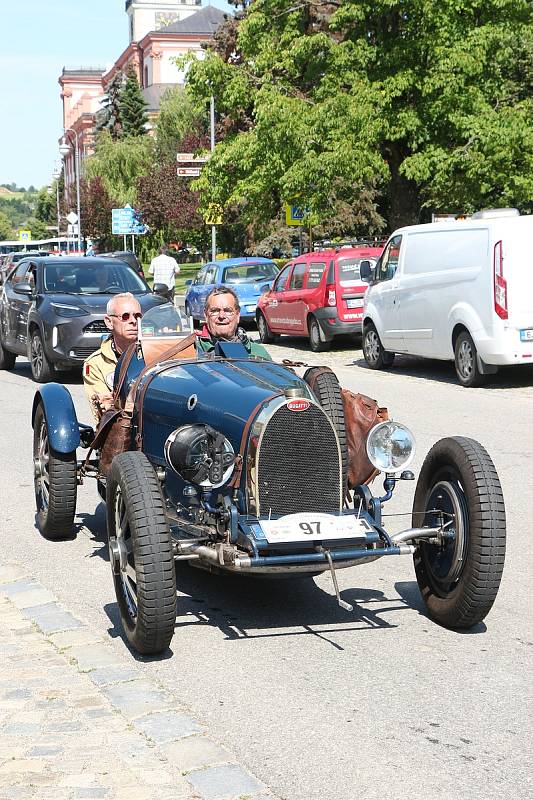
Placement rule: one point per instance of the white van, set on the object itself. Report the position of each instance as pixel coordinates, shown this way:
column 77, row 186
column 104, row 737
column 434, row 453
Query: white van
column 457, row 290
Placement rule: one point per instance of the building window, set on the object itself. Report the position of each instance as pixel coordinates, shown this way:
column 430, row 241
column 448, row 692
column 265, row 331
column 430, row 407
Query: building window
column 145, row 77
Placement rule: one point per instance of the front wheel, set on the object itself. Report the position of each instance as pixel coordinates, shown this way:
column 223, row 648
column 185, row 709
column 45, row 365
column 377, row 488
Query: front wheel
column 56, row 483
column 466, row 364
column 375, row 356
column 265, row 334
column 459, row 579
column 140, row 549
column 318, row 344
column 42, row 369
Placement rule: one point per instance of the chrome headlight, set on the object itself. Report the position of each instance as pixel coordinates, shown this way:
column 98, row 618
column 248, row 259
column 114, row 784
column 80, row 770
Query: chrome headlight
column 201, row 455
column 390, row 446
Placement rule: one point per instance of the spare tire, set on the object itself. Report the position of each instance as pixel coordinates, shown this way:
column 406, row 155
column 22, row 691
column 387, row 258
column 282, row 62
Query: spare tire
column 327, row 390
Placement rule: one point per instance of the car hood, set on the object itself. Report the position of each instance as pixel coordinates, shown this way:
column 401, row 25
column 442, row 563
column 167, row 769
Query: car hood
column 96, row 303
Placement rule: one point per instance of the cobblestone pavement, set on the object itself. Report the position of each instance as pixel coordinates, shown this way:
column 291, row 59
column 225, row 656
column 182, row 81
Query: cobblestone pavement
column 77, row 722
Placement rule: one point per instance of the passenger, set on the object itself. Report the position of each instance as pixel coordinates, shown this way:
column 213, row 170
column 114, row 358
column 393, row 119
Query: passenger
column 123, row 311
column 222, row 312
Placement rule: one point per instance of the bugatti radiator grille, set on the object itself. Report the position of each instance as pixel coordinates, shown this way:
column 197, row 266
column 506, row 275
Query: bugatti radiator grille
column 297, row 464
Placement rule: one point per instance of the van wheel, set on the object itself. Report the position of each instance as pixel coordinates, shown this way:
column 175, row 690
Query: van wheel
column 265, row 334
column 466, row 365
column 315, row 337
column 375, row 356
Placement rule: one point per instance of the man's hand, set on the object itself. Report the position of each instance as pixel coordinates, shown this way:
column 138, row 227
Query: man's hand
column 102, row 402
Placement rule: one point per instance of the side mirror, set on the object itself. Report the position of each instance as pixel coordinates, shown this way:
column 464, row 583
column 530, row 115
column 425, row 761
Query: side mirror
column 188, row 283
column 265, row 288
column 366, row 271
column 23, row 288
column 162, row 290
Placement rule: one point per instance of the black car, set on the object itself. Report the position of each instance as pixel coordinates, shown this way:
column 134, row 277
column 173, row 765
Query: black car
column 11, row 259
column 128, row 257
column 52, row 309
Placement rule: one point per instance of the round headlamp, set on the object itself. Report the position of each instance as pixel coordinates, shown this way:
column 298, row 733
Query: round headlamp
column 390, row 446
column 201, row 455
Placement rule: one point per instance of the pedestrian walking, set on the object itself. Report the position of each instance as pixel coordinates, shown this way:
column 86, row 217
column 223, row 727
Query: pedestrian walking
column 164, row 268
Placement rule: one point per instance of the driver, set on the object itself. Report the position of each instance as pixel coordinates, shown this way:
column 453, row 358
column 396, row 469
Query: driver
column 122, row 313
column 222, row 313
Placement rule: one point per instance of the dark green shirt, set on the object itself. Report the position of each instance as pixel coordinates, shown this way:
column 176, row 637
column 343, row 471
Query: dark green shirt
column 206, row 345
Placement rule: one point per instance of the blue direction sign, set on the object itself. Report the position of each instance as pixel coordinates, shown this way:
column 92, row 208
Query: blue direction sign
column 124, row 221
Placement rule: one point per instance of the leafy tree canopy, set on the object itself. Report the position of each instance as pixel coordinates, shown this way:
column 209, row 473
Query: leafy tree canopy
column 179, row 116
column 6, row 229
column 132, row 108
column 120, row 164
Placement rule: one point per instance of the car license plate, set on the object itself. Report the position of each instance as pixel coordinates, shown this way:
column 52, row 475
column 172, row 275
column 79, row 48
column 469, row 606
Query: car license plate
column 317, row 527
column 357, row 302
column 526, row 335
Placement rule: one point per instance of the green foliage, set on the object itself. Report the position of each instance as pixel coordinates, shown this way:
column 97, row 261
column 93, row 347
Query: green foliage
column 179, row 116
column 132, row 108
column 120, row 164
column 108, row 117
column 38, row 228
column 6, row 228
column 45, row 206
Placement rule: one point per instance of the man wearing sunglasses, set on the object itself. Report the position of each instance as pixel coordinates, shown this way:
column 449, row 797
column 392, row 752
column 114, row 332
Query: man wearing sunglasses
column 123, row 311
column 222, row 314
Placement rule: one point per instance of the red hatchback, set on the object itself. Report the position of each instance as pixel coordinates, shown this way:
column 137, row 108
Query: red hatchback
column 319, row 295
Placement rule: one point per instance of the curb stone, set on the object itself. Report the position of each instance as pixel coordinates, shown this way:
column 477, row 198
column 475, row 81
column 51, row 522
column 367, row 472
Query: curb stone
column 77, row 721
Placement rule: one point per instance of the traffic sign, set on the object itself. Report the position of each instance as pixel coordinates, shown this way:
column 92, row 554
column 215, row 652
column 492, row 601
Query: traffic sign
column 24, row 236
column 188, row 172
column 295, row 215
column 190, row 158
column 125, row 221
column 72, row 218
column 214, row 214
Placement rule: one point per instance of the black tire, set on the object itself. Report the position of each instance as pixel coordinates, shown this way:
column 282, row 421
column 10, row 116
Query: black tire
column 265, row 334
column 466, row 365
column 56, row 483
column 459, row 580
column 42, row 369
column 140, row 549
column 375, row 356
column 327, row 390
column 7, row 359
column 317, row 344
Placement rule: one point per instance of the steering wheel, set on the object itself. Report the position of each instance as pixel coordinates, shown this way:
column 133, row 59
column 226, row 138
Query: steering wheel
column 112, row 288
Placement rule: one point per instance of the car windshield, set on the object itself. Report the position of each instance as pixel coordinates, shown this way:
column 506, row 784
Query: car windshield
column 249, row 273
column 92, row 277
column 350, row 269
column 166, row 321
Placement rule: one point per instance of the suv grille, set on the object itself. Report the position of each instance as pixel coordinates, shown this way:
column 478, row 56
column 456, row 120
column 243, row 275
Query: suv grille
column 297, row 465
column 98, row 326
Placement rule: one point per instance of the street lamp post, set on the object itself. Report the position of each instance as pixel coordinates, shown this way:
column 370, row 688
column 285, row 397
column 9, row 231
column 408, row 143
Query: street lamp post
column 212, row 126
column 64, row 149
column 56, row 175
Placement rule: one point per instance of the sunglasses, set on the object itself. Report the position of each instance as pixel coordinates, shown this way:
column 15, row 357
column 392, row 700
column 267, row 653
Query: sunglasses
column 127, row 315
column 215, row 312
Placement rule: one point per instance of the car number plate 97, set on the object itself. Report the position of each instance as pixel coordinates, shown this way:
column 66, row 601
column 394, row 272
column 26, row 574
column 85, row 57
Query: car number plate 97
column 526, row 335
column 319, row 527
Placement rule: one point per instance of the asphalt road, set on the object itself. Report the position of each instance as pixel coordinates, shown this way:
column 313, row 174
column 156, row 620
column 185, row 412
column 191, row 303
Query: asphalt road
column 320, row 703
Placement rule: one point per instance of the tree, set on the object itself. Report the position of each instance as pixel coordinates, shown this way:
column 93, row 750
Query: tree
column 96, row 206
column 6, row 229
column 120, row 164
column 405, row 102
column 108, row 116
column 179, row 116
column 132, row 107
column 45, row 207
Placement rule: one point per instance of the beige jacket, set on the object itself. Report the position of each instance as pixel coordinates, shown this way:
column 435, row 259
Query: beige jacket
column 98, row 374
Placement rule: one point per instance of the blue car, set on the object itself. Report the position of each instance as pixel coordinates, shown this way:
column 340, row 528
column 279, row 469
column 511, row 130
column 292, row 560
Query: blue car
column 248, row 277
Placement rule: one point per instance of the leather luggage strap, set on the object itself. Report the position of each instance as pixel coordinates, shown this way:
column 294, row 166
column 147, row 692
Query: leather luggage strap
column 239, row 458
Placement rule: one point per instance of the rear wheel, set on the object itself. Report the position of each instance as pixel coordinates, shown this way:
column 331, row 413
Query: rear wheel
column 56, row 483
column 459, row 578
column 42, row 369
column 466, row 364
column 265, row 334
column 318, row 345
column 375, row 356
column 327, row 390
column 140, row 549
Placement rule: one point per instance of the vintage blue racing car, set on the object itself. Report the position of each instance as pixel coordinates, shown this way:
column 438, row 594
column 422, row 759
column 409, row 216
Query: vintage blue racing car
column 240, row 464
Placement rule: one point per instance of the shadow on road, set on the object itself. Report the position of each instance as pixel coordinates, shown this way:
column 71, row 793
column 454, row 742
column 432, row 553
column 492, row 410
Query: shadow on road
column 410, row 594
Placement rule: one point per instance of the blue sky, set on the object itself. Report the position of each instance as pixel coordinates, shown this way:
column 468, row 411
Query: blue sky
column 37, row 39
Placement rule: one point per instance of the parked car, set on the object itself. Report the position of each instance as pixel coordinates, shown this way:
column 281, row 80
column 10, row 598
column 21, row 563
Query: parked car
column 455, row 290
column 249, row 277
column 221, row 469
column 52, row 310
column 318, row 295
column 128, row 257
column 11, row 259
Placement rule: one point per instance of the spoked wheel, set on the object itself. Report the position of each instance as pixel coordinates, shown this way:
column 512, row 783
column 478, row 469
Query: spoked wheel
column 466, row 366
column 375, row 356
column 318, row 344
column 42, row 369
column 326, row 387
column 459, row 579
column 140, row 550
column 56, row 483
column 265, row 334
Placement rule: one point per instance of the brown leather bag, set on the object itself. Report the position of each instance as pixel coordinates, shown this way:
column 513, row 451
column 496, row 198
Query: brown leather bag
column 361, row 413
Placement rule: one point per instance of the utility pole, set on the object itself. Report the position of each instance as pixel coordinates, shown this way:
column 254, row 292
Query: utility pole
column 213, row 227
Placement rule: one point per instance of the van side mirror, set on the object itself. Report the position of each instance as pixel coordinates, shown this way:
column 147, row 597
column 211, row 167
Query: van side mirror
column 366, row 271
column 162, row 290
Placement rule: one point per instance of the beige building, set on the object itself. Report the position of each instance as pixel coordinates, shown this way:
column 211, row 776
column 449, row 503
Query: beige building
column 159, row 31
